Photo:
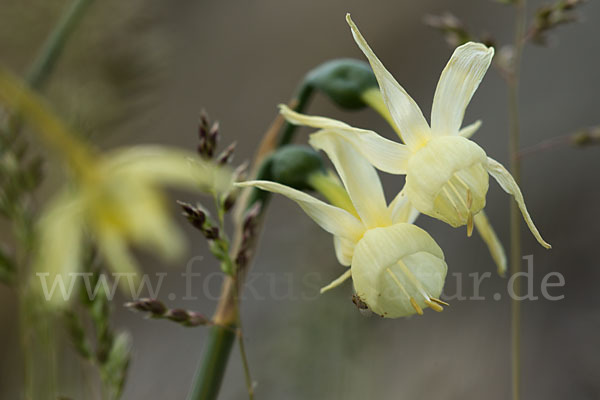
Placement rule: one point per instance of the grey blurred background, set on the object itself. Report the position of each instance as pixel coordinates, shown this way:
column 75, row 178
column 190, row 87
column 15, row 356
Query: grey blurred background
column 142, row 71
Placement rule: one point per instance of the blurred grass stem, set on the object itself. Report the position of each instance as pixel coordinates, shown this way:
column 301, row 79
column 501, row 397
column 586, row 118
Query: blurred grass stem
column 515, row 216
column 51, row 50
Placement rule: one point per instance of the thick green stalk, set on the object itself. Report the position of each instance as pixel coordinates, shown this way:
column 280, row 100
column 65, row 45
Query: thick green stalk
column 214, row 363
column 515, row 214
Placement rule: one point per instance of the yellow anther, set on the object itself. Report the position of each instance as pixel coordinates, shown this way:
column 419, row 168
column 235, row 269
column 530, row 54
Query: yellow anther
column 470, row 224
column 434, row 306
column 417, row 308
column 440, row 302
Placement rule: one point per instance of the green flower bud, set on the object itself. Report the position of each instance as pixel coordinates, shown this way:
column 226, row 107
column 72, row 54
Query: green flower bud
column 344, row 81
column 293, row 165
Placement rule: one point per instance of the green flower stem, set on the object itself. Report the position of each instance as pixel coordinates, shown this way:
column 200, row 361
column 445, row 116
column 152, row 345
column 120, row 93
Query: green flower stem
column 515, row 214
column 257, row 195
column 305, row 92
column 221, row 336
column 54, row 45
column 211, row 370
column 214, row 363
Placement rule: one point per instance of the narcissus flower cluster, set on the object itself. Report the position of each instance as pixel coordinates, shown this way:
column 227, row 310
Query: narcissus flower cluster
column 397, row 269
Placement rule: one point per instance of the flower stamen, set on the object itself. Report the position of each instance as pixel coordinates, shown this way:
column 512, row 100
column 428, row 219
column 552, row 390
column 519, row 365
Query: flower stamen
column 413, row 302
column 470, row 224
column 466, row 204
column 455, row 190
column 418, row 308
column 433, row 303
column 469, row 199
column 440, row 302
column 452, row 201
column 462, row 182
column 434, row 306
column 413, row 279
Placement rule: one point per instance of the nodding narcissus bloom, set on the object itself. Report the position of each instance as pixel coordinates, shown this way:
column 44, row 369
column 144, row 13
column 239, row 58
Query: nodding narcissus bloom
column 446, row 173
column 386, row 150
column 397, row 269
column 114, row 198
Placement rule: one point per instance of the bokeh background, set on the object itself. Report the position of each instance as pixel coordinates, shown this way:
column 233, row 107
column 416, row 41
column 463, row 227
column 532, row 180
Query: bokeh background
column 141, row 71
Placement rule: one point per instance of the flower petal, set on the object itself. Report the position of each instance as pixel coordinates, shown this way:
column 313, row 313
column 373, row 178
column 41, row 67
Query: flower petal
column 310, row 120
column 382, row 258
column 114, row 248
column 441, row 161
column 402, row 210
column 133, row 209
column 384, row 154
column 169, row 166
column 470, row 130
column 334, row 220
column 359, row 177
column 404, row 111
column 344, row 249
column 338, row 281
column 491, row 240
column 60, row 238
column 507, row 182
column 457, row 84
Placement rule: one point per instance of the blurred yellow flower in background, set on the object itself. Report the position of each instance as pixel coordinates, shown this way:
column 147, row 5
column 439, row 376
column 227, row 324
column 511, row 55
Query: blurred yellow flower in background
column 115, row 198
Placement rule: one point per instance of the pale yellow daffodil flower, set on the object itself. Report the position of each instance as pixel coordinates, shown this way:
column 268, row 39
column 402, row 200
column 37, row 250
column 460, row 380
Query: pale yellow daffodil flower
column 446, row 173
column 396, row 267
column 385, row 151
column 114, row 198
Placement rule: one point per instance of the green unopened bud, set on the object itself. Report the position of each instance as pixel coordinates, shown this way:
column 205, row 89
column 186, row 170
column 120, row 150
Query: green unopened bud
column 351, row 84
column 344, row 81
column 292, row 165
